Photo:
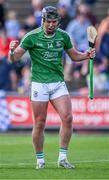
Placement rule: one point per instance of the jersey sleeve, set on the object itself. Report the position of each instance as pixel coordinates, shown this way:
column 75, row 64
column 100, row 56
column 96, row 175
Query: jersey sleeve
column 26, row 42
column 68, row 43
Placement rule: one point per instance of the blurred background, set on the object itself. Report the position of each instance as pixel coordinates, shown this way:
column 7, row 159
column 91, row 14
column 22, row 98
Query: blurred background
column 19, row 17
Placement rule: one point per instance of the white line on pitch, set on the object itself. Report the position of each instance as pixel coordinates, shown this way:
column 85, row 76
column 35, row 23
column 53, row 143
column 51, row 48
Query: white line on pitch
column 78, row 162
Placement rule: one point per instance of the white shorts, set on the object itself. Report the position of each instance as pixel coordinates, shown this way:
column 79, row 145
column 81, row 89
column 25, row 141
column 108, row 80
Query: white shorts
column 47, row 91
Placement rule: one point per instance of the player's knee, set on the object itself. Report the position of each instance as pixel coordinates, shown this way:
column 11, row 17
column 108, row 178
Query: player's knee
column 68, row 120
column 39, row 123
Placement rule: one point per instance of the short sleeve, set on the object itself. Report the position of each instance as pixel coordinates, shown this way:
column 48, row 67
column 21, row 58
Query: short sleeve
column 68, row 43
column 26, row 42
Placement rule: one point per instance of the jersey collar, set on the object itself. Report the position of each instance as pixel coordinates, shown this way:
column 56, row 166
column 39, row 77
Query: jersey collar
column 47, row 36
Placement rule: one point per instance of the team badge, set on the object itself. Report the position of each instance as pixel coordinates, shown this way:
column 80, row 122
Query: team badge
column 58, row 44
column 35, row 93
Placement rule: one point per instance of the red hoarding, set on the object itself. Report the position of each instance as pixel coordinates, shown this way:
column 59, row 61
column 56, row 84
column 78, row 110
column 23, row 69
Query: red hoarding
column 86, row 113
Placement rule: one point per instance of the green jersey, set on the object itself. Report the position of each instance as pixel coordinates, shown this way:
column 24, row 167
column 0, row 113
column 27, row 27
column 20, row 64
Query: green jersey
column 46, row 54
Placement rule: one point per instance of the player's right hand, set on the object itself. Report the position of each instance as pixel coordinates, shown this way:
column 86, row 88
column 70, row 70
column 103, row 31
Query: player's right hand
column 13, row 45
column 91, row 53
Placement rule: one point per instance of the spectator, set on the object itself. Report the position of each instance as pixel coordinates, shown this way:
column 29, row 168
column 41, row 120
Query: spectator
column 104, row 66
column 24, row 82
column 103, row 42
column 37, row 10
column 30, row 23
column 12, row 25
column 71, row 6
column 22, row 32
column 77, row 30
column 63, row 12
column 8, row 79
column 77, row 83
column 4, row 43
column 63, row 9
column 91, row 16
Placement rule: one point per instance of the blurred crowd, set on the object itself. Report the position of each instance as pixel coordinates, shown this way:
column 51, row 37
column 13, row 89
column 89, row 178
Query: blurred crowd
column 76, row 16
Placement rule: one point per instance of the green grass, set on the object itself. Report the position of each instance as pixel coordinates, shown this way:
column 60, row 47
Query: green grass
column 89, row 153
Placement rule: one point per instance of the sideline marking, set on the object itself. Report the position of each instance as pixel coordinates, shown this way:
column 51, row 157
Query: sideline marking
column 28, row 164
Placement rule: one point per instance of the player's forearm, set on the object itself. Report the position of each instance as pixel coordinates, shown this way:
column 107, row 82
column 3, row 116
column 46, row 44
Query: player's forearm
column 81, row 56
column 76, row 55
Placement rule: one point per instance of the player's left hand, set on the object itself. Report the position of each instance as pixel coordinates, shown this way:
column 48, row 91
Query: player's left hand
column 91, row 53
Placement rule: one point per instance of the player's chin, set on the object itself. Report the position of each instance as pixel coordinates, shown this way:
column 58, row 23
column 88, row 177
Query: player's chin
column 50, row 31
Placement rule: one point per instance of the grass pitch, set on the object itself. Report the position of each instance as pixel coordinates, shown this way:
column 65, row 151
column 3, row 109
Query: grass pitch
column 89, row 153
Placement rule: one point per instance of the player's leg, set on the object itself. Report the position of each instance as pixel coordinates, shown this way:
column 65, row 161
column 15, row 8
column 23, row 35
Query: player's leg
column 40, row 98
column 62, row 105
column 39, row 118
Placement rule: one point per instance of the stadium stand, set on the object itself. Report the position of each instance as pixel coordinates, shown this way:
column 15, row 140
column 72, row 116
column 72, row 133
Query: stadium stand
column 26, row 8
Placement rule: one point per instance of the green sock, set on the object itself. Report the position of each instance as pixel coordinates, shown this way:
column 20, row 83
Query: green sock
column 62, row 153
column 40, row 157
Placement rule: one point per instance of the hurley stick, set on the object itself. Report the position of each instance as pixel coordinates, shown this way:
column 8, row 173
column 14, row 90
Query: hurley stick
column 91, row 35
